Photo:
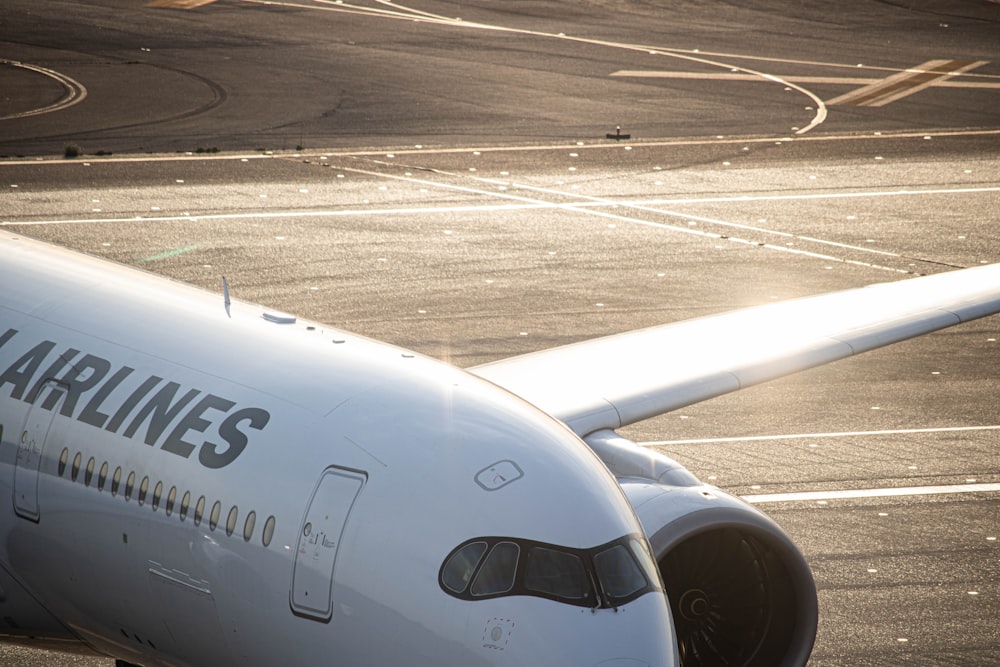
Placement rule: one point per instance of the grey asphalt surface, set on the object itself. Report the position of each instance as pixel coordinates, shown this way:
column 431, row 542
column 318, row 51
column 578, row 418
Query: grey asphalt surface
column 454, row 193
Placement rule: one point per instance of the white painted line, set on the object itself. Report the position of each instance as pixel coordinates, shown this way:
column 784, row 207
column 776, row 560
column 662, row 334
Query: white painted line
column 584, row 204
column 810, row 436
column 576, row 206
column 923, row 84
column 532, row 205
column 532, row 148
column 736, row 76
column 905, row 83
column 966, row 82
column 178, row 4
column 411, row 14
column 76, row 92
column 848, row 494
column 817, row 196
column 287, row 214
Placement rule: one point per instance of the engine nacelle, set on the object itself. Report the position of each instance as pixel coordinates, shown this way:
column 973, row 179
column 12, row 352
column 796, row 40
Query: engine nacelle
column 740, row 591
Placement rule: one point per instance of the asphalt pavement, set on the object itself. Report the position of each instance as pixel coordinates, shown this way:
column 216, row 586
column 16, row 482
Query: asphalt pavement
column 439, row 176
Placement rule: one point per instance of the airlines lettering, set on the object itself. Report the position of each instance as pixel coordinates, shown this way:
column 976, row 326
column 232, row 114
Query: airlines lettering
column 87, row 382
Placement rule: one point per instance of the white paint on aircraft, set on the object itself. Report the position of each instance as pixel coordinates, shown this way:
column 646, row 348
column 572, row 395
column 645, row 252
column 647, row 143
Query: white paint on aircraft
column 415, row 513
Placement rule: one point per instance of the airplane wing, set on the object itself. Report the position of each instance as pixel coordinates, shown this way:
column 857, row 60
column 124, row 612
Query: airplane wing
column 606, row 383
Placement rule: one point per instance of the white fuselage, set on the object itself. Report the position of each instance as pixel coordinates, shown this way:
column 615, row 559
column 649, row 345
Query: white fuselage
column 337, row 475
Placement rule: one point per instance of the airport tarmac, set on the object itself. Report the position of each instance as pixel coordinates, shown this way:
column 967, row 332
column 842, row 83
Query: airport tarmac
column 455, row 193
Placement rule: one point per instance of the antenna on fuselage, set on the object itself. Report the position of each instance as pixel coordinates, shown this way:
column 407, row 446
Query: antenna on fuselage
column 225, row 295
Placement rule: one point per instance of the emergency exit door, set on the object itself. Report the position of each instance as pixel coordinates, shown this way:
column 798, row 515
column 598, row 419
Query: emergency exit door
column 30, row 449
column 319, row 541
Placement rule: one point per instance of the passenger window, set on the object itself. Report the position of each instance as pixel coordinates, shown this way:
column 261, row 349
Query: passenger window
column 116, row 481
column 199, row 511
column 497, row 573
column 618, row 573
column 75, row 471
column 268, row 533
column 557, row 573
column 102, row 477
column 458, row 570
column 248, row 526
column 89, row 474
column 213, row 519
column 63, row 459
column 129, row 485
column 143, row 490
column 157, row 494
column 171, row 497
column 231, row 521
column 185, row 504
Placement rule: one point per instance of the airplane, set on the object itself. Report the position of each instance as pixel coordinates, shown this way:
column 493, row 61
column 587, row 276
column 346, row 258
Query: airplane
column 196, row 480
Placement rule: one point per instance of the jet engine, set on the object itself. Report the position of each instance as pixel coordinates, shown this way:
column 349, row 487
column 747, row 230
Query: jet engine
column 740, row 591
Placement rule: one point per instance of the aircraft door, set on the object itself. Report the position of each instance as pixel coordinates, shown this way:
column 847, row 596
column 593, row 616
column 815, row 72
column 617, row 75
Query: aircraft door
column 319, row 541
column 29, row 452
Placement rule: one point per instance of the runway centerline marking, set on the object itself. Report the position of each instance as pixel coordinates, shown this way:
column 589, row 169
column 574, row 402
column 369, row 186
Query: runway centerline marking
column 890, row 492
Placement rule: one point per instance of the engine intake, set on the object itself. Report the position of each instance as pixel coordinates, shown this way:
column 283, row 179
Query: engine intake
column 740, row 591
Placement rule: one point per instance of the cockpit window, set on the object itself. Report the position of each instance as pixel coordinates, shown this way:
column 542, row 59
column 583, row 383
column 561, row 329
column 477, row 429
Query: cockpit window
column 609, row 575
column 497, row 573
column 640, row 548
column 618, row 573
column 458, row 570
column 557, row 573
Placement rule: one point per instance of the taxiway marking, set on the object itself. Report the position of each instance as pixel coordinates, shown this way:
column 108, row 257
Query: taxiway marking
column 719, row 140
column 532, row 204
column 178, row 4
column 905, row 83
column 737, row 76
column 802, row 436
column 874, row 92
column 848, row 494
column 403, row 12
column 890, row 492
column 76, row 92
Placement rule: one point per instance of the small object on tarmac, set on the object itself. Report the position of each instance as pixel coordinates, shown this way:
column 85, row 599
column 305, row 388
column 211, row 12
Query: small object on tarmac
column 618, row 136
